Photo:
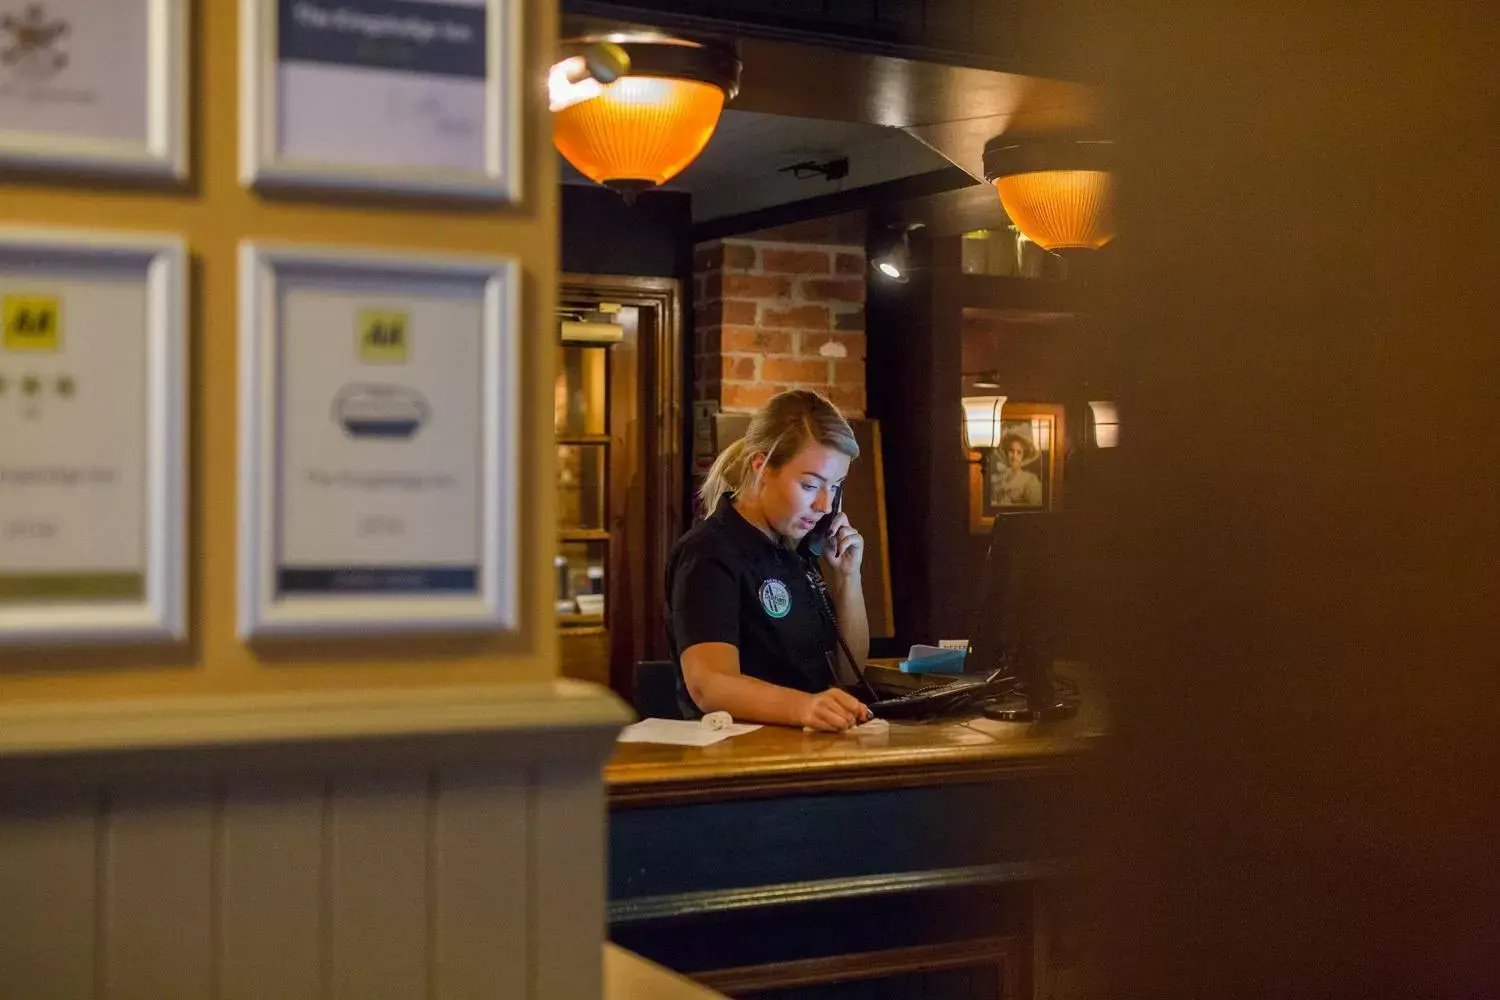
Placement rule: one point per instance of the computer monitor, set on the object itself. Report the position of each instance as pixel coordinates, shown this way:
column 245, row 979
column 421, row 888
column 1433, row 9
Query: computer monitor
column 1038, row 589
column 1016, row 633
column 1016, row 623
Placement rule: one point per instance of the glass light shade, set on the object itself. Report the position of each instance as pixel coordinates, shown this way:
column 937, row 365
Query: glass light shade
column 639, row 128
column 1106, row 424
column 982, row 421
column 1060, row 209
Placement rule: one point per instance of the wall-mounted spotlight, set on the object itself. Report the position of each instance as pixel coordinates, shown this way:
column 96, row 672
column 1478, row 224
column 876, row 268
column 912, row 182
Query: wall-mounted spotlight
column 894, row 259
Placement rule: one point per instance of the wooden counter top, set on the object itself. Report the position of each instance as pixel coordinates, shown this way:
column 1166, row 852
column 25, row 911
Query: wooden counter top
column 628, row 976
column 776, row 760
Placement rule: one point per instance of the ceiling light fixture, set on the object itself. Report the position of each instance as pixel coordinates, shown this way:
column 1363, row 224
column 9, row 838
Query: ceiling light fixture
column 632, row 111
column 1058, row 192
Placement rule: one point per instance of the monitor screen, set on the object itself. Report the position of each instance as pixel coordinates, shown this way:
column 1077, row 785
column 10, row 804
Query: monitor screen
column 1042, row 580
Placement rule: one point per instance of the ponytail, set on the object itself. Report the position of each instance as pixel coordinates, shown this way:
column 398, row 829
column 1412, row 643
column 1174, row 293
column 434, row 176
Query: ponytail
column 726, row 475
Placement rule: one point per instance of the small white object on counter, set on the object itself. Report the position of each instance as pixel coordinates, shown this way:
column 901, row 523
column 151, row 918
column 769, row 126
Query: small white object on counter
column 717, row 720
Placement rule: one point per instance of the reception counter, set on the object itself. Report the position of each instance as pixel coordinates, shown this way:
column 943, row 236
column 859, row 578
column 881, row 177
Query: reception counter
column 913, row 860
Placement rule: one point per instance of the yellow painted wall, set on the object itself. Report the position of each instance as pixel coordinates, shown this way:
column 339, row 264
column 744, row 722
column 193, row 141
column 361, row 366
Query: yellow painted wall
column 213, row 213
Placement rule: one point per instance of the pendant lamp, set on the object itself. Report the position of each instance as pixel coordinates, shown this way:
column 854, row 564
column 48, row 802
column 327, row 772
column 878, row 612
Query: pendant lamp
column 1058, row 192
column 648, row 115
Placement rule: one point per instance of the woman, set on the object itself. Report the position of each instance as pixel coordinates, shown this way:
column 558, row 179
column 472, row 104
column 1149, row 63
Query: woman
column 1012, row 485
column 745, row 616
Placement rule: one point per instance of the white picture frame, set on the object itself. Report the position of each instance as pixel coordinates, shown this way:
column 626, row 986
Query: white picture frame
column 264, row 609
column 266, row 165
column 159, row 614
column 162, row 152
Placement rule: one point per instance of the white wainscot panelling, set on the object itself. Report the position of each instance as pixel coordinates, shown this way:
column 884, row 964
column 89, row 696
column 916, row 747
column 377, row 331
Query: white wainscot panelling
column 229, row 873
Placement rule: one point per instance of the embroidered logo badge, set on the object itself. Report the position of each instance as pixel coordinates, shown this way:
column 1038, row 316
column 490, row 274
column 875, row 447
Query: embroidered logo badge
column 775, row 598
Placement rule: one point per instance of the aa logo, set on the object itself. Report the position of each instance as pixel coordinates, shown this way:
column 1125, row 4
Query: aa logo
column 775, row 598
column 384, row 336
column 29, row 43
column 32, row 323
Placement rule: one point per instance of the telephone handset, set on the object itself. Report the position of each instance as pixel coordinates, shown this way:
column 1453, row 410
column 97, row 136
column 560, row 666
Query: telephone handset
column 816, row 540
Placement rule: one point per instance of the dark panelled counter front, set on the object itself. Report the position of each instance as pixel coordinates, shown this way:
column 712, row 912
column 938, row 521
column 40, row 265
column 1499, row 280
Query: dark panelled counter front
column 909, row 862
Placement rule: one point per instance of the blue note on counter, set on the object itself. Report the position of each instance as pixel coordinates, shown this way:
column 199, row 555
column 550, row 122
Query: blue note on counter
column 933, row 660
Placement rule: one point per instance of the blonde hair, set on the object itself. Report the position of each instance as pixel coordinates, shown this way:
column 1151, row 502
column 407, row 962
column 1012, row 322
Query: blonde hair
column 789, row 422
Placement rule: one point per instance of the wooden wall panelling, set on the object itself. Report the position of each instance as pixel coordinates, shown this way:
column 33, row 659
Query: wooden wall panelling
column 603, row 235
column 377, row 926
column 157, row 863
column 568, row 823
column 272, row 884
column 49, row 938
column 411, row 886
column 480, row 829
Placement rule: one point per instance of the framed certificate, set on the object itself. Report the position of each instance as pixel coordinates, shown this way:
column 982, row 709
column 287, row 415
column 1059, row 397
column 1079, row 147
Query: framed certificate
column 407, row 96
column 94, row 86
column 91, row 437
column 378, row 442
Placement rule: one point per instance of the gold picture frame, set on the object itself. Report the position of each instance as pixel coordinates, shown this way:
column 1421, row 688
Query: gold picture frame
column 1024, row 475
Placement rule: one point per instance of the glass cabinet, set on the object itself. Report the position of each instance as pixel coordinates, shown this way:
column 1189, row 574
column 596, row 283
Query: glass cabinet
column 581, row 422
column 617, row 418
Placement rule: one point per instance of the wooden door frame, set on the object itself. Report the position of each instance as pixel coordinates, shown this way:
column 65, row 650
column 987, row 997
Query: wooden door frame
column 656, row 491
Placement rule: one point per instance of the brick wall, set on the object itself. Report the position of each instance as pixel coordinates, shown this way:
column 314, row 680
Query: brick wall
column 771, row 316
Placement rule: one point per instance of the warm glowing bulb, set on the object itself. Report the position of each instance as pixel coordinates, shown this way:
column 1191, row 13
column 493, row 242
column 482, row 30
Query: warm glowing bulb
column 889, row 270
column 982, row 421
column 569, row 83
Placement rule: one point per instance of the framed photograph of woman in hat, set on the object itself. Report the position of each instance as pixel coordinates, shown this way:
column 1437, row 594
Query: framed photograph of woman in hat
column 1023, row 473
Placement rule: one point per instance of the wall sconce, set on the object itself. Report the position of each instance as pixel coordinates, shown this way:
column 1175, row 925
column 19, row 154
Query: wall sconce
column 982, row 421
column 1057, row 192
column 1106, row 422
column 632, row 111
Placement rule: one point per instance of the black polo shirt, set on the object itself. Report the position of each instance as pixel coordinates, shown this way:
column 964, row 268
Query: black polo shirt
column 728, row 582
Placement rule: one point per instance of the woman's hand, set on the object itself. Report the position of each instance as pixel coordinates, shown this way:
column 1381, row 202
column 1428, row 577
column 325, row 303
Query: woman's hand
column 845, row 553
column 833, row 711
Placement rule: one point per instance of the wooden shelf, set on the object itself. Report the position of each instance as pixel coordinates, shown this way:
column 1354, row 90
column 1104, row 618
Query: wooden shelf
column 583, row 535
column 1007, row 297
column 583, row 439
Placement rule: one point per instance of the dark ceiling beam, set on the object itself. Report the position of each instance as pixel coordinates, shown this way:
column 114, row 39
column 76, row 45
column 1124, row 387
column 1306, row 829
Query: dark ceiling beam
column 944, row 213
column 1013, row 36
column 901, row 190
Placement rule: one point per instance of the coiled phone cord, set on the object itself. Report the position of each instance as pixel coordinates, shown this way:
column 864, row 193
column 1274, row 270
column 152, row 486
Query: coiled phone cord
column 815, row 580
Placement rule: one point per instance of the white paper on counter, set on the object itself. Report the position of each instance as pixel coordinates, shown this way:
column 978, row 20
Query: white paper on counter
column 680, row 733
